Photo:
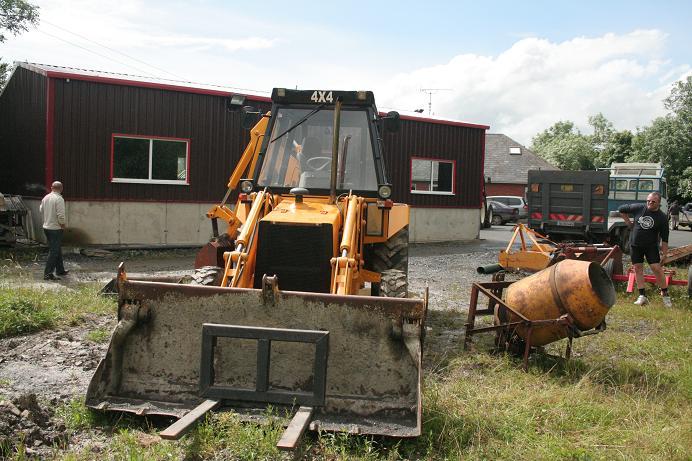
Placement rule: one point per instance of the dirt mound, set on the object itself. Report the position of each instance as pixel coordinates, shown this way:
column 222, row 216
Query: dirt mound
column 24, row 422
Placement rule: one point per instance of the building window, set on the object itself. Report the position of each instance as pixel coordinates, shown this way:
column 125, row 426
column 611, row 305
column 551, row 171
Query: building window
column 143, row 159
column 432, row 176
column 515, row 151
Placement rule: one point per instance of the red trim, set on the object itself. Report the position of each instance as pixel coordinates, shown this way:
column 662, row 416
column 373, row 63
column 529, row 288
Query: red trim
column 445, row 122
column 482, row 172
column 187, row 141
column 536, row 215
column 145, row 136
column 157, row 86
column 50, row 132
column 454, row 172
column 440, row 121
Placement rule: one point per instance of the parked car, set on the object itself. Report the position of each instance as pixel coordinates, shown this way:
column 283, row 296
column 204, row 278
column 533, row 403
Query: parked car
column 501, row 213
column 513, row 201
column 685, row 217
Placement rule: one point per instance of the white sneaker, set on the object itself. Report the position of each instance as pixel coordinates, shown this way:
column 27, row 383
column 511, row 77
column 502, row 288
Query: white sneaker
column 641, row 300
column 667, row 301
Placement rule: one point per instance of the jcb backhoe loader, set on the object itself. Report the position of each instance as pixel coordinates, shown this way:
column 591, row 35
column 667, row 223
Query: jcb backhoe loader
column 307, row 304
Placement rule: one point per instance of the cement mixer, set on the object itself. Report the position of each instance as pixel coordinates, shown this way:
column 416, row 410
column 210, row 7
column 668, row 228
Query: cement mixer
column 567, row 300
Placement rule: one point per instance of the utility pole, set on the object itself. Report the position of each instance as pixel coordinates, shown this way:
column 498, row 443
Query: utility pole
column 430, row 92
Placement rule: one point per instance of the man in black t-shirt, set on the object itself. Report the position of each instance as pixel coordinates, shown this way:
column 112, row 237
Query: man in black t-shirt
column 650, row 225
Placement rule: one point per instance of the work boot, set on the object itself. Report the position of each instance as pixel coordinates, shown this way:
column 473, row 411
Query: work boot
column 50, row 277
column 641, row 300
column 667, row 301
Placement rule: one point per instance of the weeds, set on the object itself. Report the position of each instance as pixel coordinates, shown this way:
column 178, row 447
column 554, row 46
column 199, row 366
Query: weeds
column 99, row 335
column 25, row 310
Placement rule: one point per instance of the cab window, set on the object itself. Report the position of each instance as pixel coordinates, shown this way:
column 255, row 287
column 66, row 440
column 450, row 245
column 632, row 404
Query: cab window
column 303, row 156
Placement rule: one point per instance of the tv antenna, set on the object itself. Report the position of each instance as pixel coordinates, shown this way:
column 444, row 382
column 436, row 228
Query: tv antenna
column 430, row 92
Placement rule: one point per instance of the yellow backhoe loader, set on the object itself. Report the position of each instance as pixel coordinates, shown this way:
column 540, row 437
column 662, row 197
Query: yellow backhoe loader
column 299, row 303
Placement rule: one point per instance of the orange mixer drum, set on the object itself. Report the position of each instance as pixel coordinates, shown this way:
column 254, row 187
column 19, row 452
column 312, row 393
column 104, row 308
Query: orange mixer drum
column 581, row 289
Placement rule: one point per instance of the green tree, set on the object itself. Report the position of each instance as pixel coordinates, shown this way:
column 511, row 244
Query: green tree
column 665, row 141
column 15, row 17
column 565, row 147
column 680, row 100
column 669, row 140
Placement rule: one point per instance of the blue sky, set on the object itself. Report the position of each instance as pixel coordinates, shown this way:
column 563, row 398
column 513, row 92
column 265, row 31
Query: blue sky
column 517, row 66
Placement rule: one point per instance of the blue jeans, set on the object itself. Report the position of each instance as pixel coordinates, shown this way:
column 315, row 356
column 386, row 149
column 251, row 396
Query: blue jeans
column 54, row 263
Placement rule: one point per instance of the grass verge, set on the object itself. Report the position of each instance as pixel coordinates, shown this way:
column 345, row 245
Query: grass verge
column 25, row 310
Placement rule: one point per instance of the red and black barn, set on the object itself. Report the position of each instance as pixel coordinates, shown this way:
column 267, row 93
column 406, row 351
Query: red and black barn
column 65, row 124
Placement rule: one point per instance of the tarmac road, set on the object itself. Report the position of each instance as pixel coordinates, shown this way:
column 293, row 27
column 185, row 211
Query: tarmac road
column 498, row 237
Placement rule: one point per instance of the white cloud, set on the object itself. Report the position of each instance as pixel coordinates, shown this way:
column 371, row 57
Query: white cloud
column 535, row 83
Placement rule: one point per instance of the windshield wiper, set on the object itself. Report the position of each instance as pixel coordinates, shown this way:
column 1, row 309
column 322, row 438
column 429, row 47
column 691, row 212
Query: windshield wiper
column 299, row 122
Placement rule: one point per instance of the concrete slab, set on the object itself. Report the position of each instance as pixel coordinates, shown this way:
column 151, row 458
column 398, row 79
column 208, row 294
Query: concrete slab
column 142, row 223
column 92, row 223
column 186, row 223
column 443, row 224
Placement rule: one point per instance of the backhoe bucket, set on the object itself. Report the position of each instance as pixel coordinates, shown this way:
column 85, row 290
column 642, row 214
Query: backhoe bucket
column 355, row 359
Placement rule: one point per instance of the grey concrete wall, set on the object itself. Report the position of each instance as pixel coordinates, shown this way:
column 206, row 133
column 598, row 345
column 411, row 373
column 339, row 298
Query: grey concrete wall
column 137, row 223
column 443, row 224
column 151, row 223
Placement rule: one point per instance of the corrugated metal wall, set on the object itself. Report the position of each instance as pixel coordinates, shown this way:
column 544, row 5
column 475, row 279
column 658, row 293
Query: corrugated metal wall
column 423, row 139
column 23, row 134
column 87, row 114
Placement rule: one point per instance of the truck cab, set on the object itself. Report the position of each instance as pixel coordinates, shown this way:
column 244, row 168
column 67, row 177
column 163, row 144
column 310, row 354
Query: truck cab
column 632, row 182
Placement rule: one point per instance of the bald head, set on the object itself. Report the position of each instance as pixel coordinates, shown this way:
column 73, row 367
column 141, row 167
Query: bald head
column 56, row 186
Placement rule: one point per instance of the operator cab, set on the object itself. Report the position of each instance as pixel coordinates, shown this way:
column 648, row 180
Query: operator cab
column 297, row 150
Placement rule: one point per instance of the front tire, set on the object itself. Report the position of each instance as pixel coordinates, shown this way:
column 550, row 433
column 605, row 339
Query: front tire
column 394, row 284
column 497, row 220
column 392, row 254
column 208, row 276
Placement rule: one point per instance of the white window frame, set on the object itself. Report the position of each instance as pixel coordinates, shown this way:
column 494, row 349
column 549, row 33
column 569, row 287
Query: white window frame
column 151, row 139
column 432, row 176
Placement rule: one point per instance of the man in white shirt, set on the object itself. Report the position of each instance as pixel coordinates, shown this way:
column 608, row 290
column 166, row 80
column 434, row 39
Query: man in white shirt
column 53, row 210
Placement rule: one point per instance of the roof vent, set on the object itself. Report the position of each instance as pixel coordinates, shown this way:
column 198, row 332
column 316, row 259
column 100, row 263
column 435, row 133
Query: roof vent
column 515, row 151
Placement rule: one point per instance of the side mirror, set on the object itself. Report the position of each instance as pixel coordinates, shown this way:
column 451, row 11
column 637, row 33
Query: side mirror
column 391, row 122
column 249, row 117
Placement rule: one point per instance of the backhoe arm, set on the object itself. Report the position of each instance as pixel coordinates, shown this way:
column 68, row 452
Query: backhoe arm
column 244, row 169
column 240, row 263
column 345, row 267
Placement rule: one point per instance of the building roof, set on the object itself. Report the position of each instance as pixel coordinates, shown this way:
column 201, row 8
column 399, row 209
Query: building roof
column 507, row 161
column 188, row 87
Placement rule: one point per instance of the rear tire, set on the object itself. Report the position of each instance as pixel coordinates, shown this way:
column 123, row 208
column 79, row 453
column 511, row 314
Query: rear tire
column 208, row 276
column 392, row 254
column 489, row 219
column 497, row 220
column 394, row 284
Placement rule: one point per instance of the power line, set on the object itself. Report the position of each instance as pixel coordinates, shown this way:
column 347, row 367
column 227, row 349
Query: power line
column 147, row 73
column 97, row 54
column 112, row 49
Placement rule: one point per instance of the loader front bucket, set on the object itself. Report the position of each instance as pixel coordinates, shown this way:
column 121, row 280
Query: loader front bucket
column 355, row 359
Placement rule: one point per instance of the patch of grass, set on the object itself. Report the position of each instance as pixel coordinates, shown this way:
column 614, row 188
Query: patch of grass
column 25, row 310
column 100, row 335
column 76, row 416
